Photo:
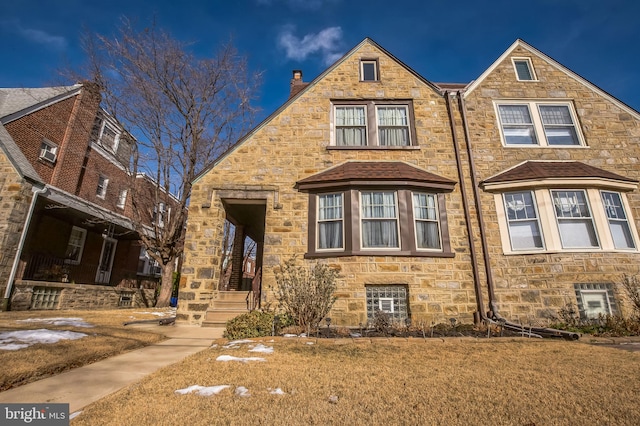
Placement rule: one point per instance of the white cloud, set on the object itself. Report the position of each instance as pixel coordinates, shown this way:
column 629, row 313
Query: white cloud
column 327, row 42
column 35, row 35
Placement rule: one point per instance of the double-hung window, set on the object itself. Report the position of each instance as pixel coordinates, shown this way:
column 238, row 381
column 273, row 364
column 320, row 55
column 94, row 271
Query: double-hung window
column 101, row 190
column 373, row 124
column 618, row 222
column 393, row 125
column 427, row 225
column 351, row 125
column 574, row 219
column 538, row 124
column 109, row 136
column 330, row 222
column 522, row 219
column 75, row 246
column 379, row 217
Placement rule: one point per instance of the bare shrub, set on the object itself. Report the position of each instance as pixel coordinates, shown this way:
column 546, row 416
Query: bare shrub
column 631, row 285
column 306, row 294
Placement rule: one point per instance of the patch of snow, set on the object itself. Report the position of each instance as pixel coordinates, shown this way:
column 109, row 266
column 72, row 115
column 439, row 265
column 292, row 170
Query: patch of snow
column 215, row 345
column 14, row 340
column 262, row 349
column 308, row 343
column 226, row 358
column 240, row 342
column 169, row 313
column 289, row 335
column 73, row 322
column 355, row 335
column 242, row 391
column 74, row 415
column 202, row 390
column 277, row 391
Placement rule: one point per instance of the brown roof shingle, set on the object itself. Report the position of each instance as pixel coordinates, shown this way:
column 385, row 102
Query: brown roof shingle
column 375, row 172
column 535, row 170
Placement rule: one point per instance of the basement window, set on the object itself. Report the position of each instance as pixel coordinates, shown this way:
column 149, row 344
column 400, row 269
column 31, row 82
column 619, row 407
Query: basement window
column 45, row 298
column 391, row 299
column 595, row 300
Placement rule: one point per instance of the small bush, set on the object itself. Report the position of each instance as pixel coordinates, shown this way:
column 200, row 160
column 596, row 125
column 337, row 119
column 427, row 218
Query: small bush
column 631, row 286
column 252, row 324
column 306, row 294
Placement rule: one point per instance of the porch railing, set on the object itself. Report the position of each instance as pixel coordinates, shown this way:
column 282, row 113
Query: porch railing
column 253, row 297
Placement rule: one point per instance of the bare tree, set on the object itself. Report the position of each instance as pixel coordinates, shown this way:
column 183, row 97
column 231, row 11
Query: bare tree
column 183, row 110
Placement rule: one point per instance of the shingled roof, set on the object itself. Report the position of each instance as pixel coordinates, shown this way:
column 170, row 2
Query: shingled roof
column 354, row 173
column 539, row 170
column 14, row 100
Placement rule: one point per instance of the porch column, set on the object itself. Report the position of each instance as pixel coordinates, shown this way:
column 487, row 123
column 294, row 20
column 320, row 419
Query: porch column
column 237, row 255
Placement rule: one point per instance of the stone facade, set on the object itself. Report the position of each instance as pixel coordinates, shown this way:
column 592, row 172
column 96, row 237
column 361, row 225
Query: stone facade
column 535, row 285
column 296, row 142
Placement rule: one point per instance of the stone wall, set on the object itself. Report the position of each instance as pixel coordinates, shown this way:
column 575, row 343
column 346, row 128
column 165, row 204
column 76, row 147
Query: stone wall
column 292, row 145
column 79, row 296
column 15, row 198
column 533, row 286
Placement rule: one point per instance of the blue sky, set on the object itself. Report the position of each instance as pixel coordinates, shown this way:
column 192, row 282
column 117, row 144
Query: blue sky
column 444, row 41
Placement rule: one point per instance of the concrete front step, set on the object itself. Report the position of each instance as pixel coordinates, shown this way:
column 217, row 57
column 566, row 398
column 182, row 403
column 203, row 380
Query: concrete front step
column 228, row 305
column 232, row 295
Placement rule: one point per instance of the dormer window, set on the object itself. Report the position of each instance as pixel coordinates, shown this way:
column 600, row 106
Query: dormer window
column 369, row 70
column 109, row 136
column 524, row 69
column 48, row 151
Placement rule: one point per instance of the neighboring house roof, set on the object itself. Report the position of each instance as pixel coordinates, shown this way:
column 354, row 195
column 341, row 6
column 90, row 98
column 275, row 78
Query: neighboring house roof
column 521, row 43
column 303, row 90
column 17, row 158
column 452, row 86
column 375, row 173
column 539, row 173
column 16, row 102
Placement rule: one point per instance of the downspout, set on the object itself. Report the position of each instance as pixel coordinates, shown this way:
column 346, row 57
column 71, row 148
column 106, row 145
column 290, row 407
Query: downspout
column 479, row 315
column 4, row 305
column 493, row 308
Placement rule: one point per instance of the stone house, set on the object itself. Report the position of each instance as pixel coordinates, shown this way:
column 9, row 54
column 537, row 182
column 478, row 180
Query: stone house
column 66, row 234
column 506, row 198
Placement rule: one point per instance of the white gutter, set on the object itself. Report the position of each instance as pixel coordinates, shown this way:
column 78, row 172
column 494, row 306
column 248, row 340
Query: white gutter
column 23, row 237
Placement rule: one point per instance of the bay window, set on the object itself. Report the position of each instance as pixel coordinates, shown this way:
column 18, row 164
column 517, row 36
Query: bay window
column 574, row 219
column 379, row 220
column 330, row 222
column 427, row 226
column 522, row 220
column 618, row 222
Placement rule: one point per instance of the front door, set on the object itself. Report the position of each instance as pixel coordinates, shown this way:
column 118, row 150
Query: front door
column 106, row 261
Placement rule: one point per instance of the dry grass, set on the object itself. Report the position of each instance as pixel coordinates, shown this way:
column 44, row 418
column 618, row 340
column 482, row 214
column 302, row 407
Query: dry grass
column 107, row 338
column 508, row 381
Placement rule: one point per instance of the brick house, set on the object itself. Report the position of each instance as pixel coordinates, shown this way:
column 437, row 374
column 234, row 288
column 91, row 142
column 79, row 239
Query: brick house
column 385, row 175
column 67, row 236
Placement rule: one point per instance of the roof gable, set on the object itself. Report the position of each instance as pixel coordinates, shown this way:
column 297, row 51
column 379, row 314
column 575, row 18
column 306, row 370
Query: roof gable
column 372, row 173
column 16, row 156
column 17, row 102
column 308, row 86
column 522, row 44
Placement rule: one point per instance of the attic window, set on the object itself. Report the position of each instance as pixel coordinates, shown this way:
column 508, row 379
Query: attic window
column 109, row 136
column 369, row 70
column 524, row 69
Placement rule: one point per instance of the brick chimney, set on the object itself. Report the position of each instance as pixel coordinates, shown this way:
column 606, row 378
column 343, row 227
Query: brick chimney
column 296, row 83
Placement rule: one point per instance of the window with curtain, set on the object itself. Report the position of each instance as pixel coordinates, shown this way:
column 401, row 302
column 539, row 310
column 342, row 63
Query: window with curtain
column 618, row 222
column 522, row 219
column 393, row 126
column 517, row 125
column 379, row 220
column 427, row 227
column 351, row 126
column 574, row 219
column 330, row 221
column 75, row 246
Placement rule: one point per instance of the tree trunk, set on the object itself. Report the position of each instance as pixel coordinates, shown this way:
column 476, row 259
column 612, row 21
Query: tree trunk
column 167, row 285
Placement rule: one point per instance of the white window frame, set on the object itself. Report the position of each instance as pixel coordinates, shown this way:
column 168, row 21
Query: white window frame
column 549, row 230
column 48, row 151
column 529, row 66
column 363, row 219
column 568, row 219
column 161, row 214
column 406, row 126
column 319, row 221
column 535, row 219
column 538, row 126
column 103, row 183
column 150, row 266
column 372, row 62
column 625, row 220
column 72, row 246
column 381, row 300
column 122, row 198
column 436, row 220
column 607, row 308
column 113, row 147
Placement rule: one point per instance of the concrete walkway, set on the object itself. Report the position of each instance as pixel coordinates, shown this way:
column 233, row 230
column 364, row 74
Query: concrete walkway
column 82, row 386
